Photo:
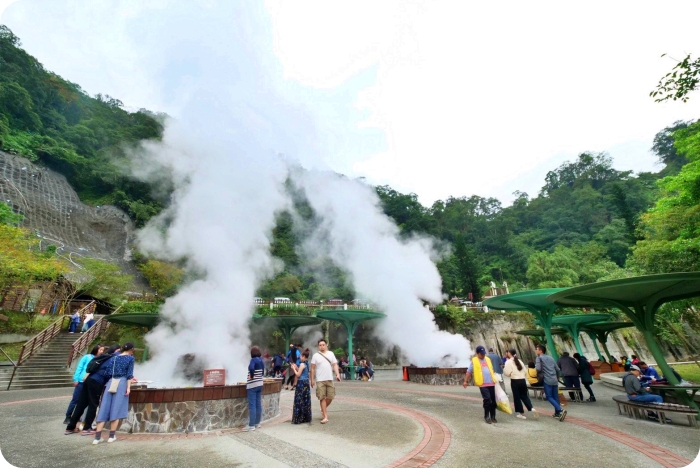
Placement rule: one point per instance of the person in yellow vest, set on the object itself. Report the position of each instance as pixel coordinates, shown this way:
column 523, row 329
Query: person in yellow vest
column 484, row 378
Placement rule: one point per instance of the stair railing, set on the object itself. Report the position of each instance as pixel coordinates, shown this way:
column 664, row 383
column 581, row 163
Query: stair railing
column 14, row 364
column 44, row 336
column 99, row 327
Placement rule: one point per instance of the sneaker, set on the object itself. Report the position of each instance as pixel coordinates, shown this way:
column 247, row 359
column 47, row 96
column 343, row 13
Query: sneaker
column 591, row 400
column 257, row 426
column 556, row 415
column 494, row 421
column 111, row 439
column 520, row 416
column 487, row 420
column 535, row 414
column 248, row 428
column 67, row 420
column 562, row 415
column 97, row 441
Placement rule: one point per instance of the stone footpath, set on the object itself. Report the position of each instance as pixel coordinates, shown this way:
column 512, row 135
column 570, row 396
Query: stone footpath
column 372, row 424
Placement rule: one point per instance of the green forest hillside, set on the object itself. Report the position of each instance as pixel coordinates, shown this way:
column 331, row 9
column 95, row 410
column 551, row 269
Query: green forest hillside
column 588, row 222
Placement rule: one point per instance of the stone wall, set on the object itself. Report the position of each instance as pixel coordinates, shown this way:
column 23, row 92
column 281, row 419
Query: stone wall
column 195, row 415
column 436, row 376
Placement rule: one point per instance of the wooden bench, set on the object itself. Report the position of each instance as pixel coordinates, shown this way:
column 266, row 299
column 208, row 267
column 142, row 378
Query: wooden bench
column 637, row 410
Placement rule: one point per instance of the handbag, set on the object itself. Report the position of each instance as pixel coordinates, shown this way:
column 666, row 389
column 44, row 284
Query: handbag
column 114, row 383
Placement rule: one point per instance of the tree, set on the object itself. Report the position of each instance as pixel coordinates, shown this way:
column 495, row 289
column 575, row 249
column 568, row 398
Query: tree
column 665, row 148
column 468, row 268
column 101, row 280
column 679, row 82
column 163, row 277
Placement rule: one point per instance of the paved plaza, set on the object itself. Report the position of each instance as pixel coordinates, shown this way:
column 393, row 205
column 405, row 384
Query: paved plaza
column 372, row 424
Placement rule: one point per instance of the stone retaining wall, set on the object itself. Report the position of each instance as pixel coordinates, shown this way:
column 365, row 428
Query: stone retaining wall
column 436, row 376
column 187, row 410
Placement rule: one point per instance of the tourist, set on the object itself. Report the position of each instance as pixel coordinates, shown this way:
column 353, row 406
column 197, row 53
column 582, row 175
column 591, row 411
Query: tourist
column 302, row 392
column 585, row 374
column 323, row 365
column 293, row 357
column 625, row 362
column 550, row 372
column 485, row 378
column 88, row 321
column 497, row 369
column 569, row 369
column 79, row 376
column 516, row 370
column 98, row 372
column 635, row 360
column 343, row 365
column 74, row 322
column 267, row 363
column 534, row 378
column 277, row 363
column 114, row 405
column 649, row 374
column 370, row 370
column 254, row 387
column 635, row 391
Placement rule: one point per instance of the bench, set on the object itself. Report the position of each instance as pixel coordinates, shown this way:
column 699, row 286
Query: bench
column 538, row 392
column 636, row 410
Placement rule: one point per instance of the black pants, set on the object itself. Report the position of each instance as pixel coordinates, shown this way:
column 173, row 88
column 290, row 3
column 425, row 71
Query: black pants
column 90, row 399
column 290, row 378
column 590, row 391
column 572, row 381
column 489, row 396
column 520, row 396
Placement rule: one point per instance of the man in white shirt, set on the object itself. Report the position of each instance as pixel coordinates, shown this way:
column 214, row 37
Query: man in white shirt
column 323, row 365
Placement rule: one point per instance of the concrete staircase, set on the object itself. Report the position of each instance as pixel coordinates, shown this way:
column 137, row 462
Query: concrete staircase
column 45, row 369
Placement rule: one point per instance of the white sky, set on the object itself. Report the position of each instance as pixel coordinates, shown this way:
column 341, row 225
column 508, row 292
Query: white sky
column 441, row 98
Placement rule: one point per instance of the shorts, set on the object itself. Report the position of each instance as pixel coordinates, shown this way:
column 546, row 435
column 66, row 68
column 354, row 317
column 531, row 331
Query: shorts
column 325, row 390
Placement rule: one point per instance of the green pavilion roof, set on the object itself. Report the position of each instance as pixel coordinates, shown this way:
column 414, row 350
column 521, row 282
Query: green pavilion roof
column 605, row 326
column 349, row 316
column 540, row 332
column 136, row 320
column 523, row 300
column 287, row 320
column 579, row 319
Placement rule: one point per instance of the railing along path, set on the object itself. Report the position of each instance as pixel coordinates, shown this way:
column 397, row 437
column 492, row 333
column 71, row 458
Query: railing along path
column 86, row 338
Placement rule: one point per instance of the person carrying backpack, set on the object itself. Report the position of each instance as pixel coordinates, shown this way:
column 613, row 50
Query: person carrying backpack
column 584, row 370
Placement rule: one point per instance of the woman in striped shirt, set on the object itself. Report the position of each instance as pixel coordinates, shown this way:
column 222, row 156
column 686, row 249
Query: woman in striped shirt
column 254, row 389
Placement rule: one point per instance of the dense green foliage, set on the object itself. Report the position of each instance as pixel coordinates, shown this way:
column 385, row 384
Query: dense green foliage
column 50, row 120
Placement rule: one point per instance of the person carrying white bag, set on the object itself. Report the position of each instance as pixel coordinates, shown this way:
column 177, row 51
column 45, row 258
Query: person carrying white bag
column 484, row 378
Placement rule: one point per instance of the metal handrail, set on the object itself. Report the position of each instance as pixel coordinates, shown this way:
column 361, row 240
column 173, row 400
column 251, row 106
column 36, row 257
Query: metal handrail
column 13, row 370
column 86, row 338
column 8, row 357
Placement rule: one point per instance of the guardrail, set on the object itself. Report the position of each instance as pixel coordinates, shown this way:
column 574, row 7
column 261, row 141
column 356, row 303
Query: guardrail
column 86, row 338
column 36, row 343
column 13, row 365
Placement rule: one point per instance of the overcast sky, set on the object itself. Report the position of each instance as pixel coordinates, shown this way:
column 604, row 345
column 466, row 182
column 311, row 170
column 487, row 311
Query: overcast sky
column 444, row 98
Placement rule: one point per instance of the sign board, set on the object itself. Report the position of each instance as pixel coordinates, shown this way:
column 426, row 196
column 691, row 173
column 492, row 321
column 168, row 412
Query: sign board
column 214, row 377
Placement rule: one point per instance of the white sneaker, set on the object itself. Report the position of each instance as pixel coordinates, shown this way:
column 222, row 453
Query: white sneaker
column 257, row 426
column 248, row 428
column 97, row 441
column 535, row 413
column 520, row 416
column 111, row 439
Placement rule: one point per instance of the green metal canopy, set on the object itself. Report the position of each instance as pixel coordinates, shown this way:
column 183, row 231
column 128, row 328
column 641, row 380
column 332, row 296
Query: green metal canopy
column 539, row 332
column 573, row 324
column 287, row 324
column 600, row 332
column 350, row 319
column 136, row 320
column 639, row 298
column 536, row 303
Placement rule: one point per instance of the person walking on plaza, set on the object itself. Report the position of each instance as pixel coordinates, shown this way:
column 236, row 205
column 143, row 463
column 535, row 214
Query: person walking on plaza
column 78, row 377
column 516, row 370
column 323, row 366
column 302, row 391
column 114, row 405
column 74, row 322
column 254, row 388
column 497, row 368
column 293, row 357
column 550, row 371
column 485, row 378
column 569, row 369
column 586, row 377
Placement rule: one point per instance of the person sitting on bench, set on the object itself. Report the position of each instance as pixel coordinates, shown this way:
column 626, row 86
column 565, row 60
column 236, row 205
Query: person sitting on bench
column 635, row 391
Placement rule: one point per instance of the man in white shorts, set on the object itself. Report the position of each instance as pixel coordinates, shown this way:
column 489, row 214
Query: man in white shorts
column 323, row 365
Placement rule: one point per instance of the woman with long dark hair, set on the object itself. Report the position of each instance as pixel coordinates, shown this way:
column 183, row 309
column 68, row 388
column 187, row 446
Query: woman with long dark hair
column 114, row 405
column 516, row 370
column 302, row 392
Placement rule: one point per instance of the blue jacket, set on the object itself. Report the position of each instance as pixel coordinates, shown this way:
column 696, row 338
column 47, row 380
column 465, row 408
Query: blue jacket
column 80, row 371
column 648, row 374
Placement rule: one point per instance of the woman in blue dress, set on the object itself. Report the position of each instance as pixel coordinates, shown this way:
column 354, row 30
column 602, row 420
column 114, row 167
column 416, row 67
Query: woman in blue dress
column 115, row 406
column 302, row 393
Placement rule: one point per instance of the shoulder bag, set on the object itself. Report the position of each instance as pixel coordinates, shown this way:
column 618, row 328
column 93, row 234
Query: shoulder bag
column 114, row 383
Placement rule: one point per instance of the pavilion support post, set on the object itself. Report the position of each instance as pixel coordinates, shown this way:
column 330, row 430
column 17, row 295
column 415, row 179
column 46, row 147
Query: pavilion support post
column 350, row 328
column 604, row 342
column 545, row 318
column 593, row 338
column 574, row 334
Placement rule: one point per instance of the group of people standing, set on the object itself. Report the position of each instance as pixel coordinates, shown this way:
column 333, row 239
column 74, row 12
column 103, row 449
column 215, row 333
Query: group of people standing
column 102, row 380
column 305, row 374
